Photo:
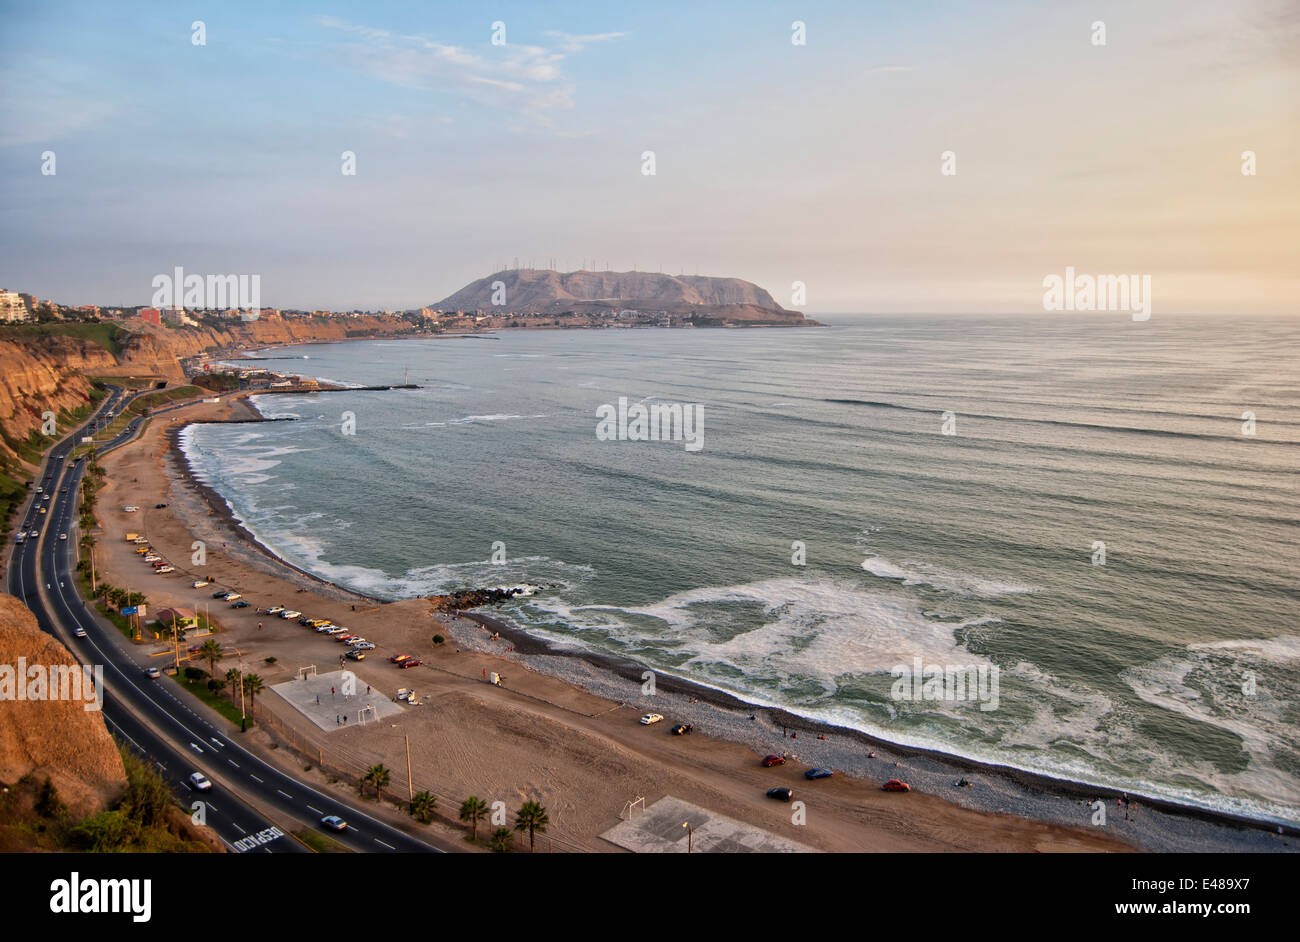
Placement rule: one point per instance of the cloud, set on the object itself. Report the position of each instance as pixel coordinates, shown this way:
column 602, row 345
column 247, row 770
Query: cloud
column 571, row 43
column 890, row 68
column 525, row 79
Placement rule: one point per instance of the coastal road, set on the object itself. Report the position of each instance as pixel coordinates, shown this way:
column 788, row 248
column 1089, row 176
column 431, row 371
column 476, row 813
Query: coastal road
column 42, row 574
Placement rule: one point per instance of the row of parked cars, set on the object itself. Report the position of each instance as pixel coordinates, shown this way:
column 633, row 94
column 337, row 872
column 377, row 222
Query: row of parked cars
column 357, row 645
column 151, row 556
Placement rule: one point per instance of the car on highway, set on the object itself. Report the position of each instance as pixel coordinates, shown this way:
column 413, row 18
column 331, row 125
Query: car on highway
column 199, row 782
column 894, row 785
column 80, row 633
column 334, row 822
column 411, row 662
column 22, row 537
column 42, row 510
column 152, row 673
column 651, row 718
column 240, row 604
column 780, row 793
column 818, row 773
column 773, row 759
column 199, row 583
column 63, row 536
column 355, row 655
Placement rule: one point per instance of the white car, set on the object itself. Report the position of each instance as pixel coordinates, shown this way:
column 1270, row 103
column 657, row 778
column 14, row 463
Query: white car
column 291, row 614
column 231, row 596
column 199, row 782
column 130, row 509
column 152, row 673
column 363, row 645
column 165, row 569
column 275, row 610
column 199, row 583
column 80, row 633
column 63, row 536
column 650, row 718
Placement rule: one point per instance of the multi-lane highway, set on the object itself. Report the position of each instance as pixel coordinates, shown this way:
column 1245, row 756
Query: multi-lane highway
column 158, row 719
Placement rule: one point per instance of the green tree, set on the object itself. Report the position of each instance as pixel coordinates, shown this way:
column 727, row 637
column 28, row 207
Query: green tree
column 253, row 685
column 473, row 810
column 378, row 776
column 531, row 817
column 422, row 807
column 501, row 840
column 211, row 652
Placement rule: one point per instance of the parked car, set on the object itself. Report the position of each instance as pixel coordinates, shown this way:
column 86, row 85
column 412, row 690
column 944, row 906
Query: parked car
column 242, row 603
column 355, row 655
column 220, row 593
column 363, row 645
column 651, row 718
column 165, row 569
column 290, row 614
column 344, row 639
column 681, row 729
column 275, row 610
column 894, row 785
column 199, row 583
column 231, row 596
column 159, row 506
column 411, row 662
column 199, row 782
column 152, row 673
column 773, row 759
column 818, row 773
column 398, row 658
column 334, row 822
column 780, row 794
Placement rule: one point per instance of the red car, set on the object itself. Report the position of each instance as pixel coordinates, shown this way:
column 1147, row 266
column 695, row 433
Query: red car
column 411, row 662
column 774, row 759
column 399, row 658
column 894, row 785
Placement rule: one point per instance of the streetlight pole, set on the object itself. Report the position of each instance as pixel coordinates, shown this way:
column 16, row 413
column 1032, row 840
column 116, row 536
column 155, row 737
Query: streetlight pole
column 410, row 786
column 690, row 837
column 243, row 717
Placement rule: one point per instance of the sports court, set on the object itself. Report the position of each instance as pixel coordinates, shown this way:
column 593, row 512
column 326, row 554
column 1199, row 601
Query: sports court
column 658, row 830
column 323, row 700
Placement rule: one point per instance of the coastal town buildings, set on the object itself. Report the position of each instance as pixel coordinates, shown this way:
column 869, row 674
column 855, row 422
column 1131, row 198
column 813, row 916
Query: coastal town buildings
column 12, row 307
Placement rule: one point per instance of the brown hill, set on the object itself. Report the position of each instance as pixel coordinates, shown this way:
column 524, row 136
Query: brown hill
column 543, row 291
column 55, row 738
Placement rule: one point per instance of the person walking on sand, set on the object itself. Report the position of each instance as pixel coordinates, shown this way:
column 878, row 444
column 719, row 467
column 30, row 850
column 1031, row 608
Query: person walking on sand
column 259, row 626
column 331, row 691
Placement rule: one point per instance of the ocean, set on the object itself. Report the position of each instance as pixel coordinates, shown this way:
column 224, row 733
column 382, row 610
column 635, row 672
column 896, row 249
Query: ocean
column 1101, row 514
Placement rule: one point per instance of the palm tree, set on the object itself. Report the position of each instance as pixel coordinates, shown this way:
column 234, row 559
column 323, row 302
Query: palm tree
column 531, row 817
column 232, row 679
column 253, row 686
column 473, row 810
column 422, row 806
column 501, row 839
column 211, row 652
column 378, row 776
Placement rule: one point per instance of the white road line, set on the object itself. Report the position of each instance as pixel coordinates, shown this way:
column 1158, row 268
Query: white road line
column 314, row 810
column 286, row 795
column 255, row 778
column 389, row 846
column 196, row 747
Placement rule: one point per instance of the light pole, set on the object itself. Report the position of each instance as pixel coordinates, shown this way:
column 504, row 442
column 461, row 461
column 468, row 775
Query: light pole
column 690, row 837
column 243, row 717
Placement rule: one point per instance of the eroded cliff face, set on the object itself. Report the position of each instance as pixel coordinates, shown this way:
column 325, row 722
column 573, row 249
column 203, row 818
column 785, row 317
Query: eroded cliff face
column 58, row 738
column 48, row 373
column 40, row 378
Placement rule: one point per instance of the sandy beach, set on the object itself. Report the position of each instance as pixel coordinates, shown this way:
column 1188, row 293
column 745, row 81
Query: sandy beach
column 564, row 728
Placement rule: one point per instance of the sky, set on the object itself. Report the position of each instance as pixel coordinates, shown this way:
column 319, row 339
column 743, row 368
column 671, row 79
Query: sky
column 775, row 162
